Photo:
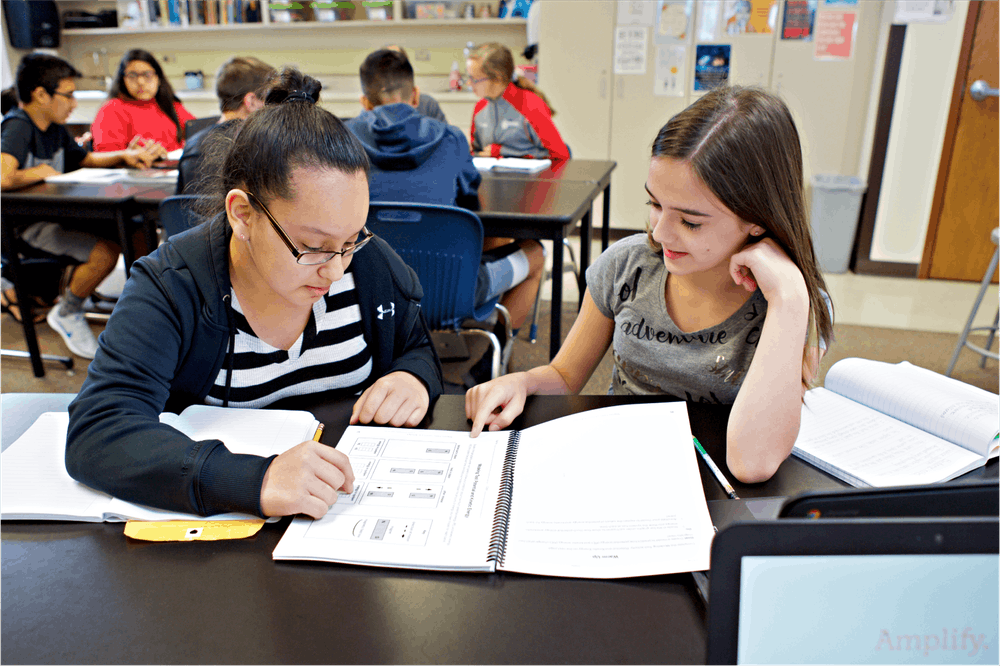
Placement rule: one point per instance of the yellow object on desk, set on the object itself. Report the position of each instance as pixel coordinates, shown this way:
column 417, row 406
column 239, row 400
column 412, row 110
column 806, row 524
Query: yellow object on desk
column 192, row 530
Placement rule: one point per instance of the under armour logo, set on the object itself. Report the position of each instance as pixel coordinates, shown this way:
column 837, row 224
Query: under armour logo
column 391, row 311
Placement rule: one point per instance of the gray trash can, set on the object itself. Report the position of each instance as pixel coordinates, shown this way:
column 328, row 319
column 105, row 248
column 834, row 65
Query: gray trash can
column 836, row 207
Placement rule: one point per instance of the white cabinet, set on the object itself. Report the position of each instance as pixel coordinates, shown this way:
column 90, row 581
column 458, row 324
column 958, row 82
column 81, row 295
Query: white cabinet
column 829, row 99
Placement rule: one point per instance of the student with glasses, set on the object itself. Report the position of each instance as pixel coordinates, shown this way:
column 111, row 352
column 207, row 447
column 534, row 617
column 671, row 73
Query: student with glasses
column 512, row 117
column 141, row 108
column 36, row 145
column 283, row 292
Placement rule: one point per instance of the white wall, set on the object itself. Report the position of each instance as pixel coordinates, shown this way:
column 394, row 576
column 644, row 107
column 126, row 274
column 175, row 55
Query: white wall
column 916, row 137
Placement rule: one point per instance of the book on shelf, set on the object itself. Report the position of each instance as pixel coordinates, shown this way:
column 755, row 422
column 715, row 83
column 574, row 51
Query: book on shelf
column 876, row 424
column 36, row 486
column 606, row 493
column 510, row 164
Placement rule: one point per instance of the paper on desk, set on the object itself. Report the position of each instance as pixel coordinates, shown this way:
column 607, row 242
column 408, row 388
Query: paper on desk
column 107, row 176
column 510, row 164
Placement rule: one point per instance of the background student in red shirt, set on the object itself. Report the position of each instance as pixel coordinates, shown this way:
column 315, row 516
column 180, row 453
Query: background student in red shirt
column 141, row 103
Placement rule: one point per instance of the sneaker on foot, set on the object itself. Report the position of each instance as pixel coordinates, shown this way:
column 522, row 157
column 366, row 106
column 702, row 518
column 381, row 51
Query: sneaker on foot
column 75, row 332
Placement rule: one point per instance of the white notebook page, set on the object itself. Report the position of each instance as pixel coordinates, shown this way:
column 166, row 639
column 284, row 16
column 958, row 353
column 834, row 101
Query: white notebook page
column 875, row 449
column 946, row 407
column 609, row 493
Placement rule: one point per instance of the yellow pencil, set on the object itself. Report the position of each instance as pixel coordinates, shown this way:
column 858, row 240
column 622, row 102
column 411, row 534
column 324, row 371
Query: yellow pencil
column 319, row 432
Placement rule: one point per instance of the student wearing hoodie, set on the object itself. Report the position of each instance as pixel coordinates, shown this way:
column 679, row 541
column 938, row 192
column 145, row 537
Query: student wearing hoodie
column 423, row 160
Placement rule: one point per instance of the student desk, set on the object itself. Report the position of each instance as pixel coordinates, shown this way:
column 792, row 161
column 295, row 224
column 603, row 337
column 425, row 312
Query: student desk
column 597, row 172
column 83, row 593
column 80, row 202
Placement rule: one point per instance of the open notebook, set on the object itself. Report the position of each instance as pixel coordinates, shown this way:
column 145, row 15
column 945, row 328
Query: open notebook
column 882, row 424
column 36, row 486
column 606, row 493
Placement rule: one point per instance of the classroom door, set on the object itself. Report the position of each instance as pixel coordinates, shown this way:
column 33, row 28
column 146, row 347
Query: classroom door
column 965, row 203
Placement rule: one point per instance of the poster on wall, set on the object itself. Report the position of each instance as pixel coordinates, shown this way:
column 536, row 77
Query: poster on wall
column 753, row 17
column 635, row 12
column 799, row 18
column 835, row 33
column 711, row 66
column 923, row 11
column 671, row 70
column 673, row 21
column 709, row 12
column 630, row 49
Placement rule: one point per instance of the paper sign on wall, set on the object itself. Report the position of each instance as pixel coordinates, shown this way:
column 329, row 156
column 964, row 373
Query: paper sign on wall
column 923, row 11
column 630, row 50
column 753, row 17
column 798, row 21
column 635, row 12
column 708, row 20
column 711, row 66
column 835, row 35
column 673, row 21
column 671, row 70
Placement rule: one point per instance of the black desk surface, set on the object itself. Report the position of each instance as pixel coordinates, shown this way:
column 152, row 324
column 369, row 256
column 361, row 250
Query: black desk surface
column 83, row 593
column 591, row 171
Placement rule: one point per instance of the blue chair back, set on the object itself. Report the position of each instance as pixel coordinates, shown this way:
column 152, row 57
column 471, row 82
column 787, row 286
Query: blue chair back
column 443, row 244
column 177, row 213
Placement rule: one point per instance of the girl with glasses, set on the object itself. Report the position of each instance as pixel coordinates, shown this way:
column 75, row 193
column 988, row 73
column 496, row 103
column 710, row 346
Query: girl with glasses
column 512, row 118
column 720, row 301
column 142, row 108
column 282, row 292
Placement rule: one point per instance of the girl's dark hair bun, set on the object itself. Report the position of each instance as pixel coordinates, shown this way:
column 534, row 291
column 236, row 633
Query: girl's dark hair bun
column 291, row 85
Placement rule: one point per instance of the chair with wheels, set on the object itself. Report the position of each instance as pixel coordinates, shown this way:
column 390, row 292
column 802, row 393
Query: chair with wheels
column 444, row 245
column 19, row 262
column 177, row 214
column 963, row 340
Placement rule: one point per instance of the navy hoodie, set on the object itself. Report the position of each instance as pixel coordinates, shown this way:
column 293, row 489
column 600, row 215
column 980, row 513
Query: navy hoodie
column 415, row 158
column 167, row 340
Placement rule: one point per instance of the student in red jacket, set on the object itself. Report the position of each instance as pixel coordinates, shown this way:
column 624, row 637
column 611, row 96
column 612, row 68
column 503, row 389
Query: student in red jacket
column 141, row 103
column 513, row 118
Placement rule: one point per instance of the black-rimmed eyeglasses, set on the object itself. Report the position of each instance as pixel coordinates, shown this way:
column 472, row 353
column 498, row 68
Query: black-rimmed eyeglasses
column 313, row 258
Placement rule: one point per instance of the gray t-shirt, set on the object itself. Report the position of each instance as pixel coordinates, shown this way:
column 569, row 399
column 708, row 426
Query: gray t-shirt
column 652, row 355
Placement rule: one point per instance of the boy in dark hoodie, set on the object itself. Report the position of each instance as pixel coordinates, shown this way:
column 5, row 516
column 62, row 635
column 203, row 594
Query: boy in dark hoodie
column 423, row 160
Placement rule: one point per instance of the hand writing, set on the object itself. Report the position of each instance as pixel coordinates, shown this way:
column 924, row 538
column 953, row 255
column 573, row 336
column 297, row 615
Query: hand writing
column 305, row 479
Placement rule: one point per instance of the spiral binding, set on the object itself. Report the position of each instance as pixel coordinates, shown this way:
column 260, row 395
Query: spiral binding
column 498, row 537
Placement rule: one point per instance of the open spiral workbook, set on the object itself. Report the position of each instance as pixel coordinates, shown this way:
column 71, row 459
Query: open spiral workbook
column 882, row 424
column 607, row 493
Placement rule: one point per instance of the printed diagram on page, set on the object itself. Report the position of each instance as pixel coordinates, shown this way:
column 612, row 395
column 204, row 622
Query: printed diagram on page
column 399, row 482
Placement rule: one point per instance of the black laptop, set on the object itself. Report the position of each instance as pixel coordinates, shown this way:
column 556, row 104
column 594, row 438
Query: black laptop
column 891, row 590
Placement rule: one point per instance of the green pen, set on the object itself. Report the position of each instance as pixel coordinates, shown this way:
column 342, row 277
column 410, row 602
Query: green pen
column 715, row 469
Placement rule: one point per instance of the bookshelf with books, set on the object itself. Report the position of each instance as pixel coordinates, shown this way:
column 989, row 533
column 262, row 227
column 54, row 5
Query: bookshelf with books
column 147, row 16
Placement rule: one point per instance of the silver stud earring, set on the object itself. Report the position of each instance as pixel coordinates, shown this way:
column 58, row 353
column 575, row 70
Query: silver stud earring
column 243, row 237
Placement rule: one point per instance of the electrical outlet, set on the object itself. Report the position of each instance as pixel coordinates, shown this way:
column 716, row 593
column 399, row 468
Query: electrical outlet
column 422, row 54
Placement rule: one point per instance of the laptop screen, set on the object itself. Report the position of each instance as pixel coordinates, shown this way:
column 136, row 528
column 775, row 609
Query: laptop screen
column 895, row 609
column 864, row 591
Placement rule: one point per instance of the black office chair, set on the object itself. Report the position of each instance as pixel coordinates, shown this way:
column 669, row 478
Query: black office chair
column 177, row 214
column 18, row 268
column 192, row 127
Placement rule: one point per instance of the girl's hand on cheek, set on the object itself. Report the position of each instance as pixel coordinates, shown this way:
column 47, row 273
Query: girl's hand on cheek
column 765, row 265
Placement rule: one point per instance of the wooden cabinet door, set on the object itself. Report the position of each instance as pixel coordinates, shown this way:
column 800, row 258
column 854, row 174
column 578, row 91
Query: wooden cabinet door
column 964, row 211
